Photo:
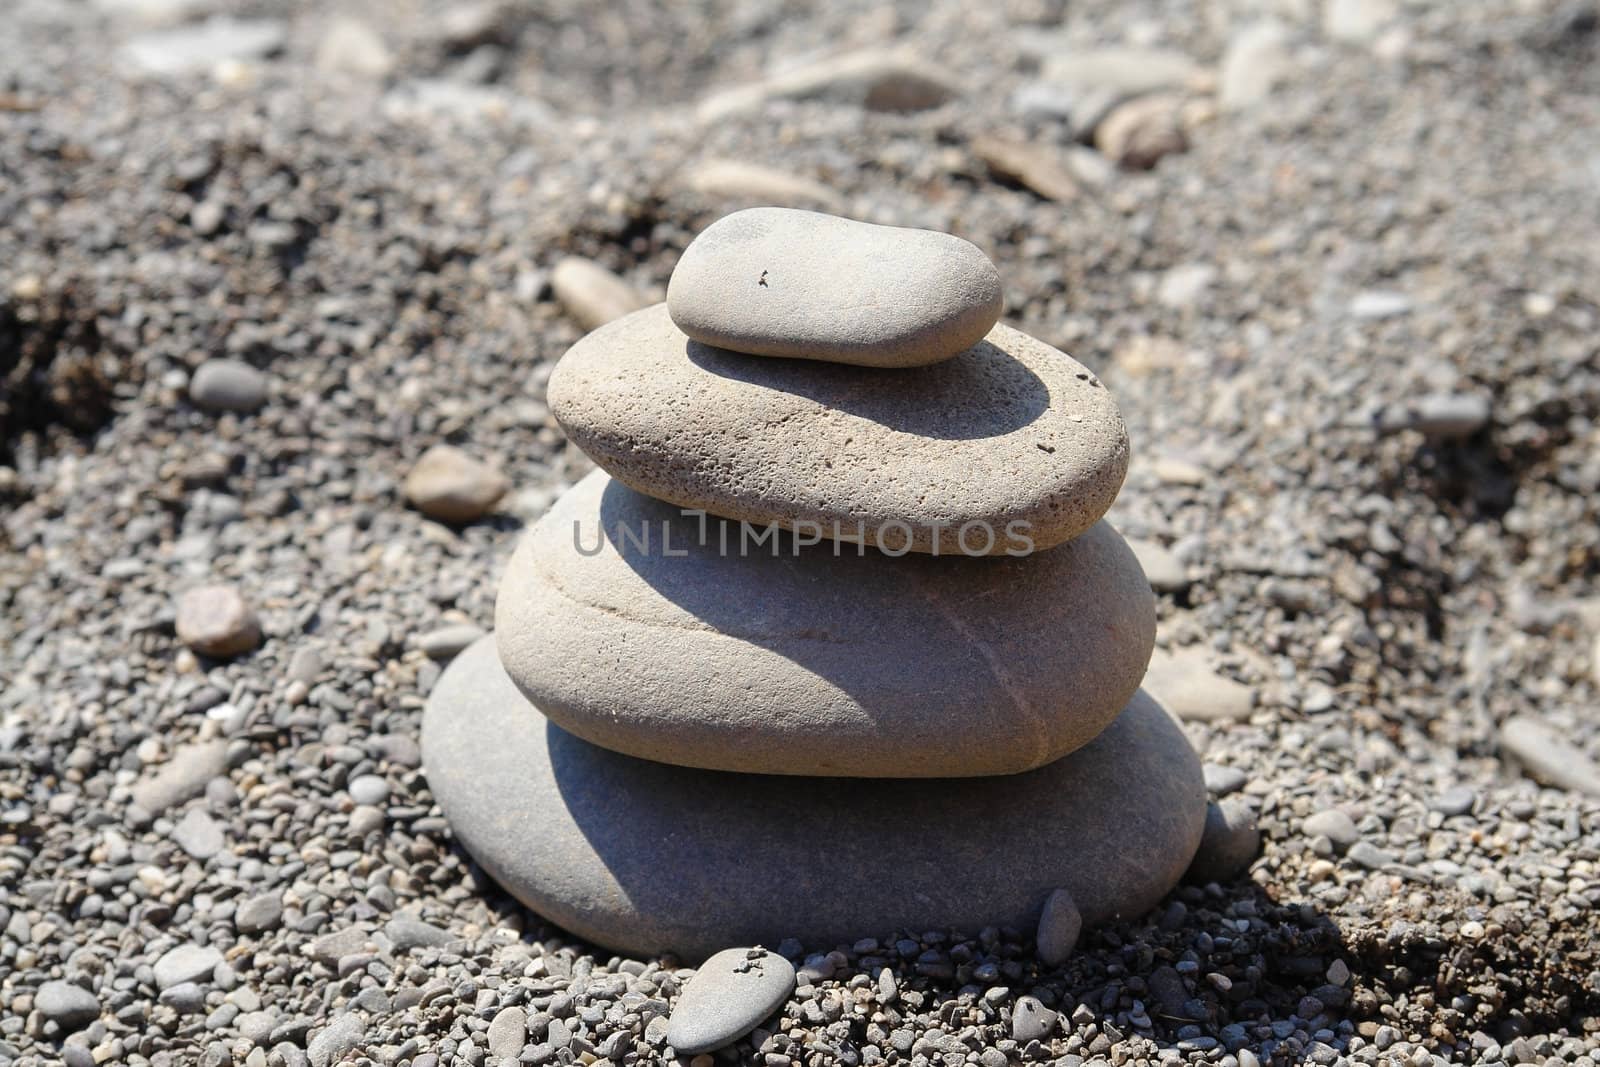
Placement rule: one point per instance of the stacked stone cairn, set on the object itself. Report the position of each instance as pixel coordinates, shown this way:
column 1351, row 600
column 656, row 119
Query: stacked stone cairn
column 835, row 643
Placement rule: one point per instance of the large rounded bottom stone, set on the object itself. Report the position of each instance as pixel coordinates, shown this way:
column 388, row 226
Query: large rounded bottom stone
column 648, row 858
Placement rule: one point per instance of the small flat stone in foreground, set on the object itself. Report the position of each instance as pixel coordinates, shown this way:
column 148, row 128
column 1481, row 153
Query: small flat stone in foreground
column 259, row 913
column 446, row 642
column 338, row 1037
column 729, row 996
column 1333, row 823
column 407, row 932
column 1457, row 800
column 508, row 1033
column 1031, row 1020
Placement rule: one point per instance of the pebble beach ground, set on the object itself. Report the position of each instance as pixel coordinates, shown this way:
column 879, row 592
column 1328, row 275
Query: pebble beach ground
column 251, row 270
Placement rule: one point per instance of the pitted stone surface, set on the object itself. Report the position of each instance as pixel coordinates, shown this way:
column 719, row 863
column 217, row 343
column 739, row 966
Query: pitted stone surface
column 645, row 857
column 636, row 630
column 1009, row 440
column 775, row 281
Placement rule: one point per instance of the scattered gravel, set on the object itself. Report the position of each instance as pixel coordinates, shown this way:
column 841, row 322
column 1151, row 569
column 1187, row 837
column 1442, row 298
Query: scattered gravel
column 1390, row 594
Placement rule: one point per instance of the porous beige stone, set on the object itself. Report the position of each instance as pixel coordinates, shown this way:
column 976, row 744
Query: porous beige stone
column 1009, row 442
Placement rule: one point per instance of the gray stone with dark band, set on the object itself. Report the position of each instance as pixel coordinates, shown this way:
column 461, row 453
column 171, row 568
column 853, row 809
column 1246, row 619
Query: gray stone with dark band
column 645, row 858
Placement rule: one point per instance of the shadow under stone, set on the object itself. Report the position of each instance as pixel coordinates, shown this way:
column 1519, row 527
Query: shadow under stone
column 983, row 392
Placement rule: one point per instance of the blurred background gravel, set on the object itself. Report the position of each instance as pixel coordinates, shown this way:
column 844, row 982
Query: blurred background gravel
column 1338, row 261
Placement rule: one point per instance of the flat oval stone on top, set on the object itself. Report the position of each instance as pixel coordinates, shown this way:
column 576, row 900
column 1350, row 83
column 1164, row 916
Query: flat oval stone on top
column 676, row 638
column 1009, row 446
column 774, row 281
column 644, row 857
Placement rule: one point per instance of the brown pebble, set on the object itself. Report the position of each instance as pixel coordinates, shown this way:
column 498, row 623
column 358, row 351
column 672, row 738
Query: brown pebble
column 449, row 485
column 214, row 620
column 1138, row 133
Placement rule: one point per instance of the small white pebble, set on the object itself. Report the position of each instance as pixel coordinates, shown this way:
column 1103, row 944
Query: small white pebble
column 1538, row 305
column 153, row 879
